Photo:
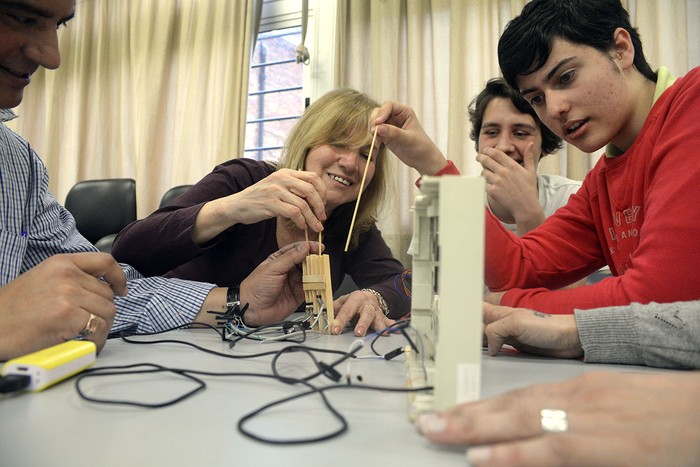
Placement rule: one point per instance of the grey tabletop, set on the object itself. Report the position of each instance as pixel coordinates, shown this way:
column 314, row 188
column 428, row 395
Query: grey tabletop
column 56, row 427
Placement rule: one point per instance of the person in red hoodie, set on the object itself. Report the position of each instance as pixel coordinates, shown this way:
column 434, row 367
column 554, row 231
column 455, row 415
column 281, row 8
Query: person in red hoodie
column 580, row 64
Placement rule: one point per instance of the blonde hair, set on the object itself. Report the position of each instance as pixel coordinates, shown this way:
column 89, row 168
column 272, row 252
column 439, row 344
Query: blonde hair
column 341, row 117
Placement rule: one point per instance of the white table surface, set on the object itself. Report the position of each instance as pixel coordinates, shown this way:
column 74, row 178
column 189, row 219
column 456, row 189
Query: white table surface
column 57, row 428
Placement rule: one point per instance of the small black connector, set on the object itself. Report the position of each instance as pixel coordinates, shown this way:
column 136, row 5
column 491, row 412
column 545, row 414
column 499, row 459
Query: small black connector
column 330, row 372
column 394, row 353
column 12, row 383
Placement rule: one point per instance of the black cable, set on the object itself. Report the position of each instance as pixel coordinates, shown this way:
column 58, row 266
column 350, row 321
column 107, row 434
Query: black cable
column 313, row 390
column 323, row 368
column 321, row 392
column 126, row 370
column 398, row 326
column 290, row 349
column 326, row 369
column 391, row 329
column 282, row 324
column 130, row 340
column 129, row 337
column 150, row 368
column 12, row 383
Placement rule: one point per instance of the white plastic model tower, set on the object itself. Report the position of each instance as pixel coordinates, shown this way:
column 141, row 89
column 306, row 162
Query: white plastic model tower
column 447, row 292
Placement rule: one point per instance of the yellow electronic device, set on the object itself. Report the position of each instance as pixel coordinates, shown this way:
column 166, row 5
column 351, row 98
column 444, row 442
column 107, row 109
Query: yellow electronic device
column 53, row 364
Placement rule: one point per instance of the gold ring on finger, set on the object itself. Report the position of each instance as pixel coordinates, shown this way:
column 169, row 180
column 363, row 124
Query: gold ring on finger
column 90, row 327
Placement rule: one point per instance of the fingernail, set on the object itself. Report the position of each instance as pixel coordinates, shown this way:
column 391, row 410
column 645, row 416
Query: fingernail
column 319, row 226
column 359, row 332
column 478, row 455
column 336, row 330
column 431, row 423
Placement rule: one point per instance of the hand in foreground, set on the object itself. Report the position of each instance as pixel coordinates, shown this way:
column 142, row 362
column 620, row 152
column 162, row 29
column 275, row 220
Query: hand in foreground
column 613, row 419
column 400, row 130
column 531, row 331
column 54, row 301
column 274, row 289
column 365, row 306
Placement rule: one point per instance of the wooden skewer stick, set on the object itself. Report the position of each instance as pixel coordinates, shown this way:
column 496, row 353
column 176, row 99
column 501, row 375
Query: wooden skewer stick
column 306, row 230
column 362, row 187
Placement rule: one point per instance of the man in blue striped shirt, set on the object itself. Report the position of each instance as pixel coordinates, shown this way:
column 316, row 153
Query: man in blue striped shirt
column 54, row 284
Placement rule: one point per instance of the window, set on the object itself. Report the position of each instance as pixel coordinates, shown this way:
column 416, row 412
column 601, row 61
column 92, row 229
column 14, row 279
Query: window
column 275, row 98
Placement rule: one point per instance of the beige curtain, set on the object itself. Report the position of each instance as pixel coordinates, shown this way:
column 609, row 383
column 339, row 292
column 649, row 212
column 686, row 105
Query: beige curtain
column 155, row 90
column 435, row 55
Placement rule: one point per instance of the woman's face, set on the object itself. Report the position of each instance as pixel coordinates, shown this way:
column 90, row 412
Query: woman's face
column 341, row 169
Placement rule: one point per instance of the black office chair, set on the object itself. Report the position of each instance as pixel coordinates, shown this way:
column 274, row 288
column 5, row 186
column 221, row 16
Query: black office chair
column 102, row 208
column 171, row 195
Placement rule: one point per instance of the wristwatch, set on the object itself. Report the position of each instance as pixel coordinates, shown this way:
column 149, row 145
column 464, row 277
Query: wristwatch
column 233, row 304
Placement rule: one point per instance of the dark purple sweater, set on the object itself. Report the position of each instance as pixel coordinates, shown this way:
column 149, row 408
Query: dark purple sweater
column 161, row 244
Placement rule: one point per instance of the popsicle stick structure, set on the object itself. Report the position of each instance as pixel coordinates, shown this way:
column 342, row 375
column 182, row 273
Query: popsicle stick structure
column 318, row 292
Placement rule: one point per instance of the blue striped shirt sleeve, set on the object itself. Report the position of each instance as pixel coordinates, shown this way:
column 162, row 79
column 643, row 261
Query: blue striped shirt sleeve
column 158, row 303
column 35, row 226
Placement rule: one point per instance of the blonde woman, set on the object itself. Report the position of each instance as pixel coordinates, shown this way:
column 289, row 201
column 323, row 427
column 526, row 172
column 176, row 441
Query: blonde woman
column 244, row 210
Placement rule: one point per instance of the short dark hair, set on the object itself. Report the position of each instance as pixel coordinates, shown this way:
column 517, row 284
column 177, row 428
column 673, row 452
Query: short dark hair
column 497, row 87
column 526, row 42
